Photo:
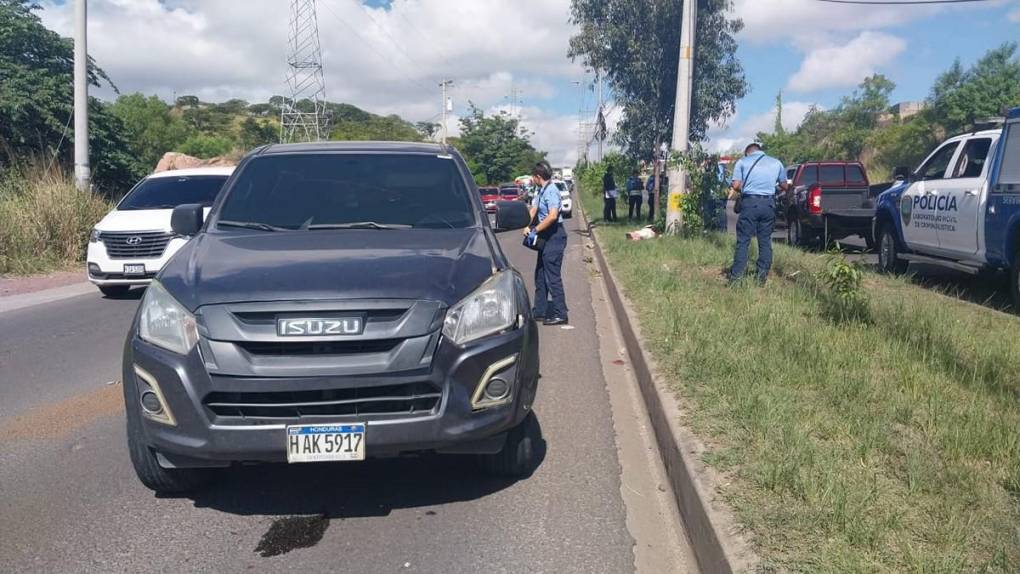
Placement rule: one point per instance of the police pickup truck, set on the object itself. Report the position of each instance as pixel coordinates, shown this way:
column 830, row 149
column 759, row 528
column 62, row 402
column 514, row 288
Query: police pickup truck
column 959, row 209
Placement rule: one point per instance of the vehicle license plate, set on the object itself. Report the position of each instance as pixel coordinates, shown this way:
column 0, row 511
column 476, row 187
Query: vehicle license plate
column 134, row 269
column 323, row 443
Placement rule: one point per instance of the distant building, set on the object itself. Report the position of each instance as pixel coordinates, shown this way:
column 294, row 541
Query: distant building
column 901, row 111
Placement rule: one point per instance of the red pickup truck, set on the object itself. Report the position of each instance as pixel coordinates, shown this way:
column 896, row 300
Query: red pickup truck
column 826, row 201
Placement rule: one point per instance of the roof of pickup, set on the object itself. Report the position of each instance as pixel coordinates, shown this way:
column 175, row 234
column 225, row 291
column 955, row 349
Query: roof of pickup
column 355, row 147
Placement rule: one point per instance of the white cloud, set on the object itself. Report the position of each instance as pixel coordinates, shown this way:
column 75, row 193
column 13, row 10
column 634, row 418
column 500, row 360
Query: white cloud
column 388, row 61
column 740, row 133
column 848, row 64
column 1014, row 16
column 801, row 20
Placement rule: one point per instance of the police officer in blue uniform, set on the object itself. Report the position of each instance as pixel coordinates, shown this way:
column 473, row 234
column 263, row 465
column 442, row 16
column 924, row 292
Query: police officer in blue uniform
column 550, row 301
column 755, row 177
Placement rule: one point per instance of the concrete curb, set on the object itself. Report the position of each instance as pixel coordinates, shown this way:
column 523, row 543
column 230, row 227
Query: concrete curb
column 25, row 300
column 716, row 537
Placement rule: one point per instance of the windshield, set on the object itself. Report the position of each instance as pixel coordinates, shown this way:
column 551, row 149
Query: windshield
column 509, row 192
column 169, row 192
column 488, row 191
column 375, row 191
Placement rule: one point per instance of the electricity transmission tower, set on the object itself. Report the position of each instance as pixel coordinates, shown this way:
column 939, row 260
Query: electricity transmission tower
column 304, row 116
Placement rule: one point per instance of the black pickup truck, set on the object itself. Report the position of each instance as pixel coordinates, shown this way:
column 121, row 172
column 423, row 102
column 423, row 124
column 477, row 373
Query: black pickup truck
column 826, row 201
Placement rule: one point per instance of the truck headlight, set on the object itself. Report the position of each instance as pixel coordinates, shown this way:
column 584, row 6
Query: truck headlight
column 489, row 309
column 94, row 236
column 166, row 323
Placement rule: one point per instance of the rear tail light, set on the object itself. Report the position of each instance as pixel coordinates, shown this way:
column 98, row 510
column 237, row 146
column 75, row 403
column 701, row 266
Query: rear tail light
column 814, row 200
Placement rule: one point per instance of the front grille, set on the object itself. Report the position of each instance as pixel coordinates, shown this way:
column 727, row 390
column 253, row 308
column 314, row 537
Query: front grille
column 143, row 244
column 402, row 399
column 334, row 348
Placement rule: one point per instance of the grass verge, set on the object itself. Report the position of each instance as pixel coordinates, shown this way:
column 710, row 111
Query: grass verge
column 884, row 440
column 44, row 221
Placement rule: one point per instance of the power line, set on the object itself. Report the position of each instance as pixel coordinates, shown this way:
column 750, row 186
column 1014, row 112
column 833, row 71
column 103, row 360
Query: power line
column 369, row 45
column 900, row 2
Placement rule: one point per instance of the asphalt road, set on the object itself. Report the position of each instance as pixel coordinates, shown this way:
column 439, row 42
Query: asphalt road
column 69, row 500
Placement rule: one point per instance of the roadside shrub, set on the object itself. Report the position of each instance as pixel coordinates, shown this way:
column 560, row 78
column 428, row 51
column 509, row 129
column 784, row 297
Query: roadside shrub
column 845, row 300
column 44, row 221
column 206, row 146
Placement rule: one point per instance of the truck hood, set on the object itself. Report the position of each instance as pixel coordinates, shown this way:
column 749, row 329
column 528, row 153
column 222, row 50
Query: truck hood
column 420, row 264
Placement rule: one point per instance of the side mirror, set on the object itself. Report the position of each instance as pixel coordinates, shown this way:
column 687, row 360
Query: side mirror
column 186, row 219
column 512, row 215
column 901, row 174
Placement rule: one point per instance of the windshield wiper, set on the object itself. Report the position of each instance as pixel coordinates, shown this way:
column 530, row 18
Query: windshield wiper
column 250, row 225
column 359, row 225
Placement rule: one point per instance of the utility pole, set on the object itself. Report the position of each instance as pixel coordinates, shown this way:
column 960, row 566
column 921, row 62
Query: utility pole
column 447, row 105
column 682, row 113
column 82, row 171
column 600, row 118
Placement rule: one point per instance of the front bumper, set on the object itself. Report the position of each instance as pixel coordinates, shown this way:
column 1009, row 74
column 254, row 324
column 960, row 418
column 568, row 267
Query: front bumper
column 200, row 438
column 104, row 270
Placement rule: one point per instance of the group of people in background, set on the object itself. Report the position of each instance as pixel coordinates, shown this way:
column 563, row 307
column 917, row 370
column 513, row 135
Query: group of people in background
column 637, row 192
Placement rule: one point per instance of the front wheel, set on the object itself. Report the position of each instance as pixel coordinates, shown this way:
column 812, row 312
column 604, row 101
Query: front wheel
column 794, row 231
column 147, row 468
column 1014, row 282
column 888, row 252
column 520, row 454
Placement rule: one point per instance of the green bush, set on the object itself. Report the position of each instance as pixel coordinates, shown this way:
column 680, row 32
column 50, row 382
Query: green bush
column 206, row 146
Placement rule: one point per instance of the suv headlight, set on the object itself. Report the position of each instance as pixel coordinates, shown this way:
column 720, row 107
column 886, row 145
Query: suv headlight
column 489, row 309
column 166, row 323
column 94, row 236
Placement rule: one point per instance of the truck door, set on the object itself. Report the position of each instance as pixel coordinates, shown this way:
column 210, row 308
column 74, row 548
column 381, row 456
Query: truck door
column 961, row 198
column 918, row 203
column 1003, row 195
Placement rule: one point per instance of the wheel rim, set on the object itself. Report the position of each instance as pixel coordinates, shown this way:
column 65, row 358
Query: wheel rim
column 885, row 253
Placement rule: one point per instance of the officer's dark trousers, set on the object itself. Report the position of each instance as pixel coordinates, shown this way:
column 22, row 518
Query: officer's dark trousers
column 635, row 207
column 609, row 209
column 757, row 219
column 550, row 301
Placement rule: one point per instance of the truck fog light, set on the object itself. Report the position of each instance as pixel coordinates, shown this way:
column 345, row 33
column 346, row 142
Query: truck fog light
column 497, row 389
column 493, row 390
column 150, row 403
column 154, row 406
column 94, row 269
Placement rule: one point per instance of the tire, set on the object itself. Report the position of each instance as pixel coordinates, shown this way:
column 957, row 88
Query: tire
column 519, row 456
column 568, row 215
column 794, row 231
column 1014, row 282
column 150, row 473
column 888, row 252
column 114, row 291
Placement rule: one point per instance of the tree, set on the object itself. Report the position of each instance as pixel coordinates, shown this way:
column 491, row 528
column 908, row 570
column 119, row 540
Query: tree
column 187, row 102
column 206, row 146
column 36, row 72
column 428, row 130
column 495, row 147
column 635, row 44
column 960, row 97
column 151, row 128
column 255, row 133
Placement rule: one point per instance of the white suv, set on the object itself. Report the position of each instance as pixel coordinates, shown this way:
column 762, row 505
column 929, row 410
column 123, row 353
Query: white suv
column 566, row 207
column 131, row 244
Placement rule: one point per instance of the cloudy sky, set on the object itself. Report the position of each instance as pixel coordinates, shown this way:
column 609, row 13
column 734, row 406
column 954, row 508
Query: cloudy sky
column 388, row 56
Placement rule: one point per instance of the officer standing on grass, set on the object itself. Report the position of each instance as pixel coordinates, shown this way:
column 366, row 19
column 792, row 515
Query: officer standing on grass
column 550, row 300
column 755, row 178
